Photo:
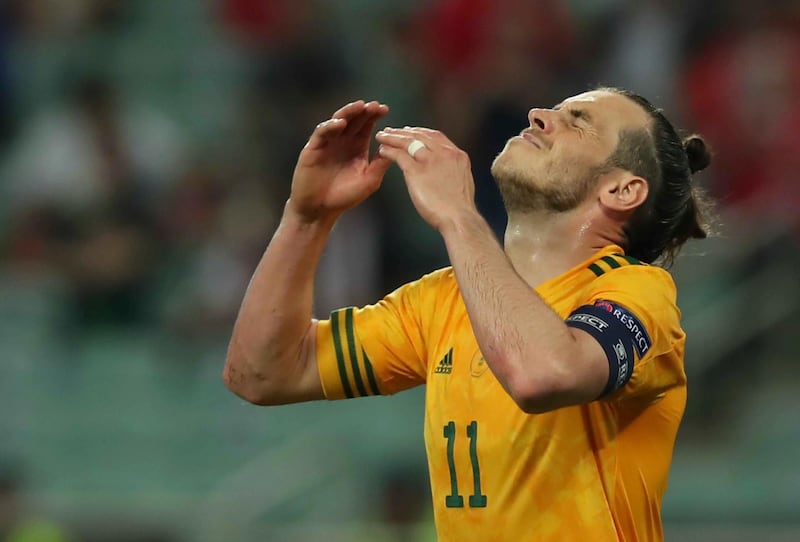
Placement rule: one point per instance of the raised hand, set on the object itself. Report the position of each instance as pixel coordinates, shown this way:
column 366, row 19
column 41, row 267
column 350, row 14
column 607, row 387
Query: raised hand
column 438, row 176
column 334, row 172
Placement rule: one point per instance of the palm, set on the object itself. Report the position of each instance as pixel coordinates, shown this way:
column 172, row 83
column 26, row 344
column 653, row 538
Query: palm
column 334, row 172
column 334, row 175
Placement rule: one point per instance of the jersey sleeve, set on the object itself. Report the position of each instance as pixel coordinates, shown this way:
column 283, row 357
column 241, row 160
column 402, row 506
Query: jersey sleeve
column 378, row 349
column 633, row 314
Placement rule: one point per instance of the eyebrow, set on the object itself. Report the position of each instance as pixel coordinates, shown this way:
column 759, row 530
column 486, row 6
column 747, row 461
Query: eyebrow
column 585, row 115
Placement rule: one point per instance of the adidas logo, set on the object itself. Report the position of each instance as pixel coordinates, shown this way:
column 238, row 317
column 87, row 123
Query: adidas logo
column 445, row 365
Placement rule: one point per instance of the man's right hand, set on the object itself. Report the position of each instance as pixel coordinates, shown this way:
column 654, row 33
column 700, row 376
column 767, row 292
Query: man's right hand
column 334, row 172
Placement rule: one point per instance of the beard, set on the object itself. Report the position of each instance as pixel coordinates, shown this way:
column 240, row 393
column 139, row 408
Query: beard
column 556, row 194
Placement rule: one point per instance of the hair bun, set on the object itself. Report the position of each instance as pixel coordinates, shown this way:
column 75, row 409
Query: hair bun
column 697, row 153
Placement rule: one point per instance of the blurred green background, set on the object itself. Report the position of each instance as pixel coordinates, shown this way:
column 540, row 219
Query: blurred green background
column 146, row 150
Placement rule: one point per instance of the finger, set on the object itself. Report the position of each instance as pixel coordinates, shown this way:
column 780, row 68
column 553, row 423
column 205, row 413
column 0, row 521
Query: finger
column 398, row 156
column 362, row 118
column 377, row 167
column 433, row 139
column 434, row 135
column 324, row 131
column 412, row 135
column 402, row 138
column 349, row 110
column 369, row 126
column 429, row 136
column 421, row 129
column 404, row 142
column 394, row 138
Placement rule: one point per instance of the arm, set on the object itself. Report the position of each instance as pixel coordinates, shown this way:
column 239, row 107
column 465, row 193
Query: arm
column 271, row 352
column 541, row 362
column 271, row 356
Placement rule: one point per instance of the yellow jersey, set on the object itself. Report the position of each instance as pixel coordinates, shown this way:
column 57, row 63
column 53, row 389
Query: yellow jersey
column 592, row 472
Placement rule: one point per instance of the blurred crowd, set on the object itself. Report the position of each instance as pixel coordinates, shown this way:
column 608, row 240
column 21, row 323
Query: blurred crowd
column 110, row 200
column 135, row 203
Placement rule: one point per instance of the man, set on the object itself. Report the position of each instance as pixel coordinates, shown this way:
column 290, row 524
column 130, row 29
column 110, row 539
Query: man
column 554, row 368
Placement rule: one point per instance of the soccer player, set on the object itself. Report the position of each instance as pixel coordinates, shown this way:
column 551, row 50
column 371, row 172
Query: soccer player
column 553, row 364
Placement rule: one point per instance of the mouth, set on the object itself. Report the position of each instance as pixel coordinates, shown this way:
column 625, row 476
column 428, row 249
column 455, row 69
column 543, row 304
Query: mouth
column 530, row 138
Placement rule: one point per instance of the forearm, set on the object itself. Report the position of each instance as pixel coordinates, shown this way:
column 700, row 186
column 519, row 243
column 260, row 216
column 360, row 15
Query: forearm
column 275, row 315
column 522, row 339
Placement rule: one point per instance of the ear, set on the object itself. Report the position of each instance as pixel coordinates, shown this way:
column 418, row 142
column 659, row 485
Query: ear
column 623, row 192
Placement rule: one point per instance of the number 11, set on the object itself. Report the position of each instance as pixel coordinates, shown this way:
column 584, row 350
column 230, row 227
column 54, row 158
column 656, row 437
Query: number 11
column 454, row 500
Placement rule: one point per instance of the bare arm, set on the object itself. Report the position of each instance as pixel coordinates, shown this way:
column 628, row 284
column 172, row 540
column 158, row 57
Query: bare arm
column 541, row 362
column 271, row 356
column 271, row 353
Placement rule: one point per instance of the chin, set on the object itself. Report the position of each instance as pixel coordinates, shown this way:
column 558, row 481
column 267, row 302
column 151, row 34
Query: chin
column 507, row 167
column 504, row 164
column 516, row 155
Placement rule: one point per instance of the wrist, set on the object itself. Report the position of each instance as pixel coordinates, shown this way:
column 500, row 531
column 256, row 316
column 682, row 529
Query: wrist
column 461, row 222
column 292, row 217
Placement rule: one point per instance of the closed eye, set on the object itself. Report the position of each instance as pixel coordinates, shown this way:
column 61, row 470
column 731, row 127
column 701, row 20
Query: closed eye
column 578, row 114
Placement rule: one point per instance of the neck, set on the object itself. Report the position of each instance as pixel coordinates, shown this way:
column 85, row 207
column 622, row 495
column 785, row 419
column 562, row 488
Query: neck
column 543, row 244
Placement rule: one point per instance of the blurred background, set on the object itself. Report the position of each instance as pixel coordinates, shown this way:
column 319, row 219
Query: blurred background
column 146, row 151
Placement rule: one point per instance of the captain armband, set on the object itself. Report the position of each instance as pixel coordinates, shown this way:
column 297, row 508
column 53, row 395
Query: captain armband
column 620, row 334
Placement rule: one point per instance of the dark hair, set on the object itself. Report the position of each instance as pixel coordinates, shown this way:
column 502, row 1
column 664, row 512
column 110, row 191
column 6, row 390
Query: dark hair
column 675, row 210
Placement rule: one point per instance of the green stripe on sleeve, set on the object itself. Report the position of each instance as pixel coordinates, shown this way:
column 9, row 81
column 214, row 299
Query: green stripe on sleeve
column 596, row 269
column 612, row 263
column 629, row 259
column 351, row 346
column 337, row 343
column 373, row 384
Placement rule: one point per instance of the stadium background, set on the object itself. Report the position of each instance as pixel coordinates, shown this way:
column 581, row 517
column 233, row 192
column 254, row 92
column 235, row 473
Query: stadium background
column 146, row 149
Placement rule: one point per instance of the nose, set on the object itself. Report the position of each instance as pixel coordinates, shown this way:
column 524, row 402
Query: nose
column 543, row 118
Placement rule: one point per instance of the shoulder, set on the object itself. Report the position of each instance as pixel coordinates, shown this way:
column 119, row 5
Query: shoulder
column 630, row 277
column 442, row 276
column 426, row 291
column 436, row 282
column 645, row 292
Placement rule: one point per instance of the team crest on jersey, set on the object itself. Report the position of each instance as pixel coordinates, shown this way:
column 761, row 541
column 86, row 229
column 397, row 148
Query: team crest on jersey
column 478, row 365
column 445, row 365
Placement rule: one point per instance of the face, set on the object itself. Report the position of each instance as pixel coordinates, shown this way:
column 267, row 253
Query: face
column 552, row 164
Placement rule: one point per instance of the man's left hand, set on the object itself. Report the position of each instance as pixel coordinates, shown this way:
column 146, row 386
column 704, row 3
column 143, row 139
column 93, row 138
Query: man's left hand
column 438, row 176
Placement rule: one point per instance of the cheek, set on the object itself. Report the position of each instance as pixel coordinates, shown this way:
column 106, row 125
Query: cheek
column 575, row 163
column 567, row 173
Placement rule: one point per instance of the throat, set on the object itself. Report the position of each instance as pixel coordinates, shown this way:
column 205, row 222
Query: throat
column 544, row 245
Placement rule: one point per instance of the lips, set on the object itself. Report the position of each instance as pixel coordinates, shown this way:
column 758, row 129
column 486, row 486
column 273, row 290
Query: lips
column 531, row 138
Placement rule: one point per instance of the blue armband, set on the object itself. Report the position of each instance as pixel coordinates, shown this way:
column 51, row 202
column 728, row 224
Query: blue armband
column 620, row 334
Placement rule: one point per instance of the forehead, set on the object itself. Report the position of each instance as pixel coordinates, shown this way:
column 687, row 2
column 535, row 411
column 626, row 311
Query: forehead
column 610, row 110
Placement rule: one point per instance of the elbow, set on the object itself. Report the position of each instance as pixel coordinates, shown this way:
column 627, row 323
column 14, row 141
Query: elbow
column 541, row 391
column 242, row 380
column 537, row 404
column 535, row 400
